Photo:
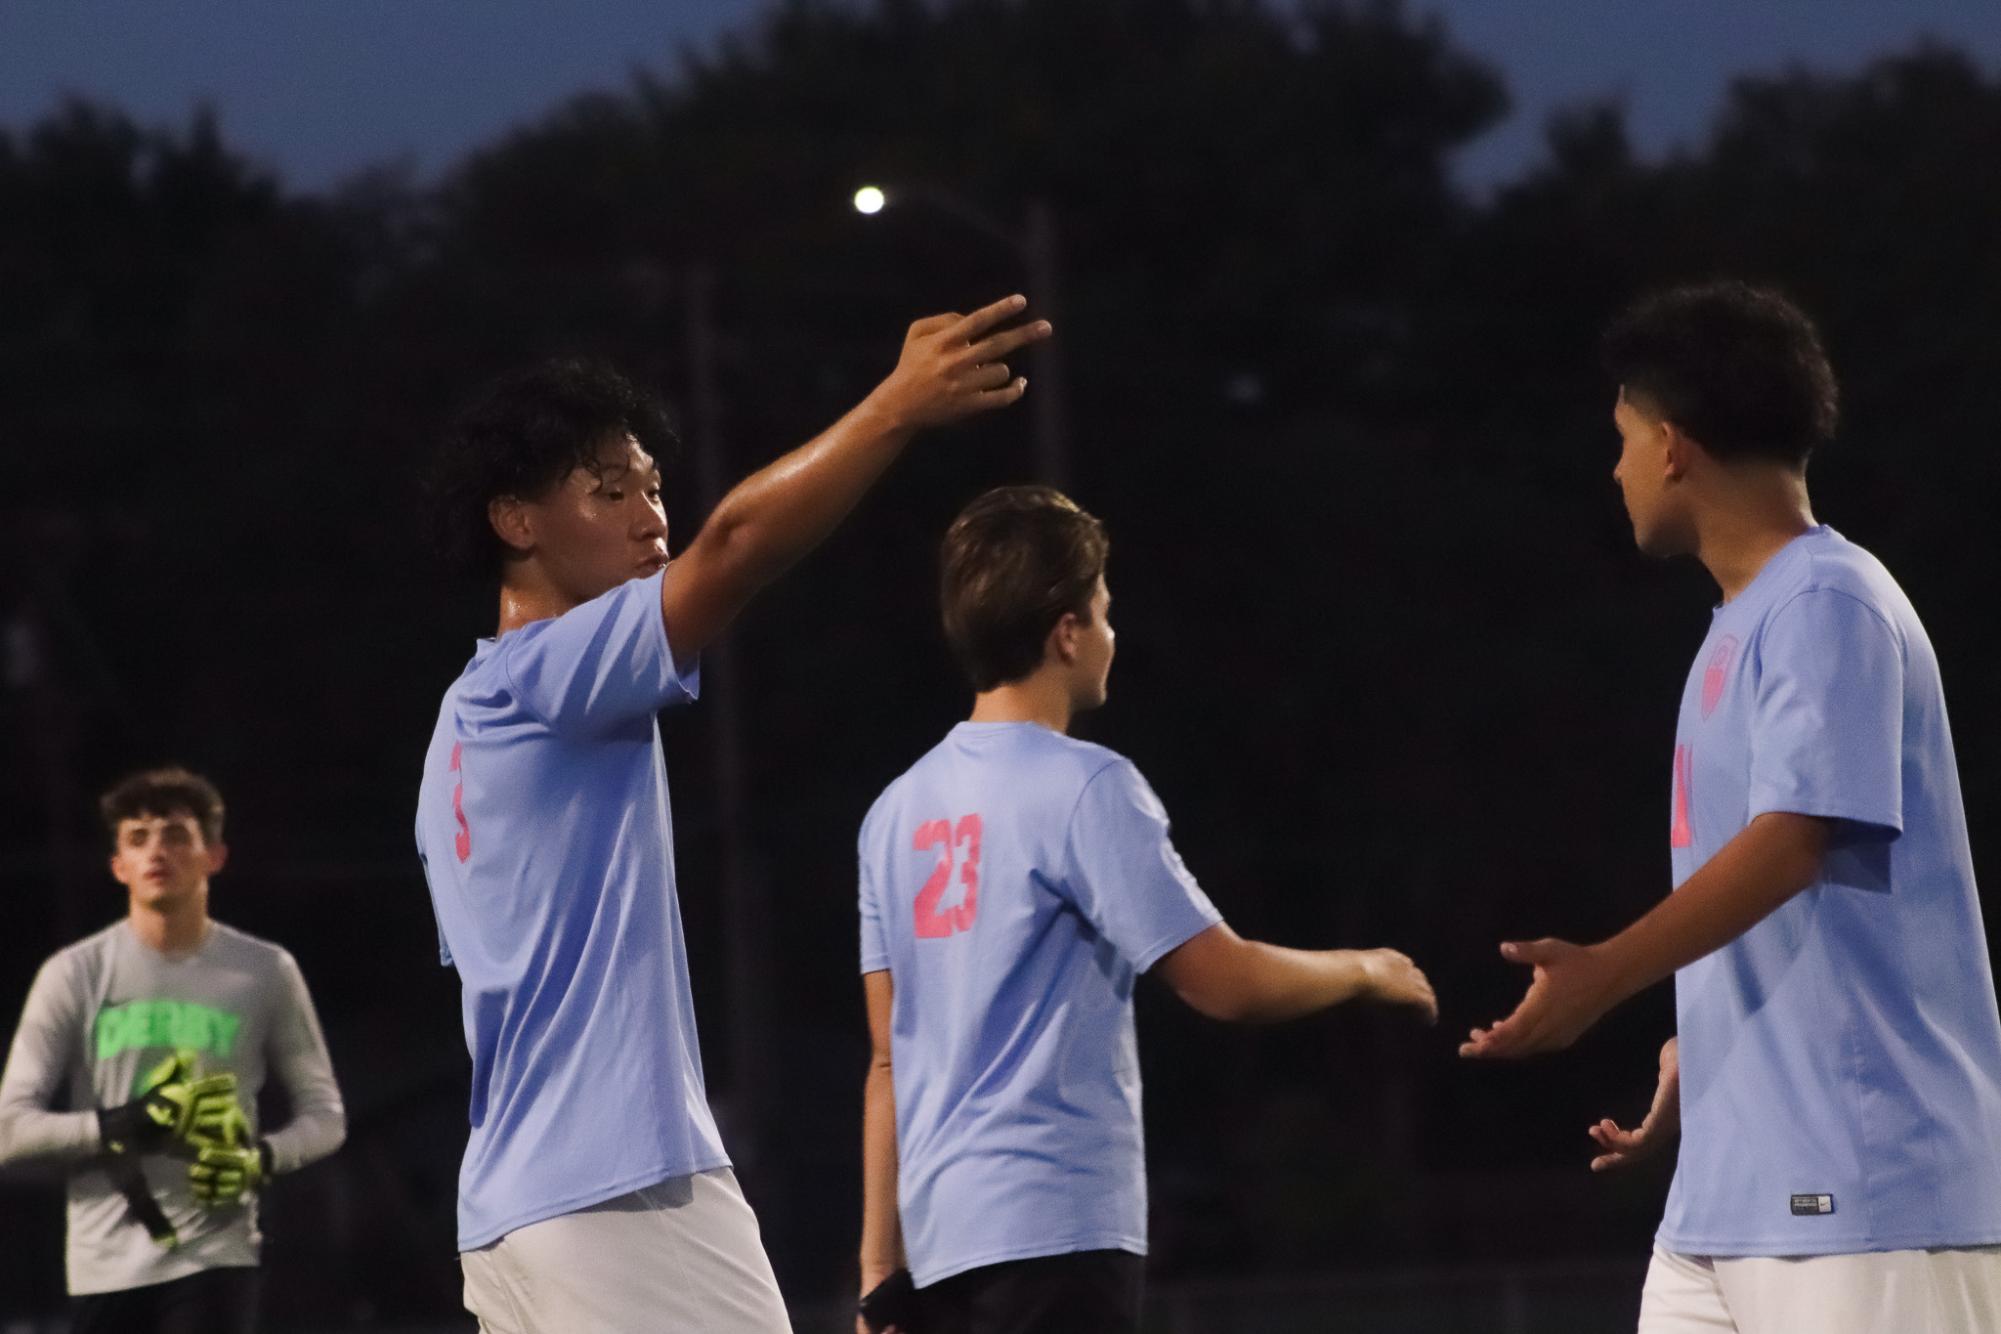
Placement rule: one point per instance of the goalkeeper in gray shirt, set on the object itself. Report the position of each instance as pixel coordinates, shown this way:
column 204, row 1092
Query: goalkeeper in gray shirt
column 136, row 1067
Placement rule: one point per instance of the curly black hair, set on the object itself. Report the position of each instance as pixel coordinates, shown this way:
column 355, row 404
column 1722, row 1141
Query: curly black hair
column 1738, row 368
column 522, row 436
column 163, row 793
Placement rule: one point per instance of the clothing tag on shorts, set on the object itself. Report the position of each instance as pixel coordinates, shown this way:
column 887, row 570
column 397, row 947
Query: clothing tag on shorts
column 1806, row 1206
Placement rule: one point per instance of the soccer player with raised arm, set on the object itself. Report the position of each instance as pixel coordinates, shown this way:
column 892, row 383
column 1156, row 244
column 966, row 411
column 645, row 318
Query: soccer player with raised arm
column 595, row 1194
column 1836, row 1074
column 137, row 1065
column 1014, row 884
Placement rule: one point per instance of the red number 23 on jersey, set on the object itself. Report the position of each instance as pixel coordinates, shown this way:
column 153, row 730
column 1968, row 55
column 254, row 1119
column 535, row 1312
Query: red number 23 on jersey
column 932, row 922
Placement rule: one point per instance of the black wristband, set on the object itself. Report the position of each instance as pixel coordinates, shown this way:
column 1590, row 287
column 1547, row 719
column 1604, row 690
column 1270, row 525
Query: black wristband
column 264, row 1158
column 129, row 1128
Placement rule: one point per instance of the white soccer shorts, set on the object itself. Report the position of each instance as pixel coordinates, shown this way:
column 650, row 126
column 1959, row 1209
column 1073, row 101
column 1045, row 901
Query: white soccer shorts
column 1880, row 1292
column 683, row 1255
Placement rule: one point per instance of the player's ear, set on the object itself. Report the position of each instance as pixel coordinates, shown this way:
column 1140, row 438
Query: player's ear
column 1677, row 452
column 1062, row 642
column 218, row 857
column 512, row 523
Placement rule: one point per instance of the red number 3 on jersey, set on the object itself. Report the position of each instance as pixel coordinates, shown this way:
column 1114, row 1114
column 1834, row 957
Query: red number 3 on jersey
column 932, row 922
column 459, row 804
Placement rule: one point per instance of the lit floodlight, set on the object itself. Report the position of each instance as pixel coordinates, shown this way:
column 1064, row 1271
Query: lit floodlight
column 870, row 199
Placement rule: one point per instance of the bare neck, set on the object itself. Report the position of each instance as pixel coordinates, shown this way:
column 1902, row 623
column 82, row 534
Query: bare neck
column 178, row 928
column 527, row 596
column 1041, row 698
column 1752, row 519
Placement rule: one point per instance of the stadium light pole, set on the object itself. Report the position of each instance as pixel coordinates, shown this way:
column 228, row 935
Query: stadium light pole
column 748, row 945
column 688, row 288
column 1035, row 246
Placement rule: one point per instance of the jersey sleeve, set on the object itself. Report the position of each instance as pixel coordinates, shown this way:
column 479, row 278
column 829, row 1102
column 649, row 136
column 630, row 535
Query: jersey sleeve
column 600, row 664
column 298, row 1057
column 1123, row 874
column 50, row 1035
column 874, row 941
column 1827, row 728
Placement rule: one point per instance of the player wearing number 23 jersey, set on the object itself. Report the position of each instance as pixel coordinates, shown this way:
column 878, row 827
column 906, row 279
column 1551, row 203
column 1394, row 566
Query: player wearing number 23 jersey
column 1014, row 885
column 1016, row 882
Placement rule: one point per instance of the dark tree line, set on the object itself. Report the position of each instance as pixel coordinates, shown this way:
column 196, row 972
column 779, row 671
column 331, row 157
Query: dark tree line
column 1385, row 648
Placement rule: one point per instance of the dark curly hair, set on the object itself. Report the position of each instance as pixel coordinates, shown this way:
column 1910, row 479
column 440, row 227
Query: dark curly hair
column 164, row 794
column 1013, row 563
column 1739, row 369
column 522, row 436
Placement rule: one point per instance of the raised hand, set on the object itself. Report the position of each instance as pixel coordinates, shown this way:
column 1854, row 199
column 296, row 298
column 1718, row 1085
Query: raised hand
column 1662, row 1125
column 954, row 366
column 1394, row 980
column 1570, row 990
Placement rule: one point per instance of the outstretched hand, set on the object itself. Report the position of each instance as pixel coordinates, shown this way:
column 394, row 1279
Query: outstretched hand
column 1395, row 980
column 954, row 366
column 1622, row 1148
column 1571, row 989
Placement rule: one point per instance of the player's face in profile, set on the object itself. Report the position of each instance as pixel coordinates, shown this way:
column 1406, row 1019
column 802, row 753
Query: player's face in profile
column 163, row 859
column 1642, row 475
column 596, row 531
column 1096, row 642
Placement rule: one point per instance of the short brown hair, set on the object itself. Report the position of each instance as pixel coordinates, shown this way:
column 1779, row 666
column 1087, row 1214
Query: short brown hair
column 165, row 793
column 1013, row 564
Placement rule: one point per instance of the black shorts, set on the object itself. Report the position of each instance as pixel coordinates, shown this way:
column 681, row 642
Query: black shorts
column 1087, row 1292
column 215, row 1301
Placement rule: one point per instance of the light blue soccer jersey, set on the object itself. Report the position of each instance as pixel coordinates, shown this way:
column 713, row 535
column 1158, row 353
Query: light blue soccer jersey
column 544, row 830
column 1015, row 882
column 1841, row 1061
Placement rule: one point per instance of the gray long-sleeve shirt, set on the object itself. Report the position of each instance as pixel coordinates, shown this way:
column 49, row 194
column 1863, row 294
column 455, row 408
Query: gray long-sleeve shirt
column 104, row 1012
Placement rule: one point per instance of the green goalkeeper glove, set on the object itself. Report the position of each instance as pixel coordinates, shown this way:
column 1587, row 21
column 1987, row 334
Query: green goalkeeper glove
column 231, row 1168
column 171, row 1106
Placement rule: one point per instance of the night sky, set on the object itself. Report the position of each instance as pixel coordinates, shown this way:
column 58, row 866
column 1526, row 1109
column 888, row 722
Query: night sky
column 319, row 91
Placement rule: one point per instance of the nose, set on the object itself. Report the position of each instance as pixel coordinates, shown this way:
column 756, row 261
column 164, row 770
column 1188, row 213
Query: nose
column 650, row 524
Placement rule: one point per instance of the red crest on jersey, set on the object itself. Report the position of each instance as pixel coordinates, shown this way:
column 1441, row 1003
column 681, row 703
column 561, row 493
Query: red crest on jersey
column 1717, row 674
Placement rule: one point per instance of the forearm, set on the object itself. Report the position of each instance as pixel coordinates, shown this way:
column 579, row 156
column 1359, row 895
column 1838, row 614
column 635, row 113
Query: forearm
column 1280, row 983
column 1773, row 858
column 782, row 511
column 314, row 1131
column 33, row 1134
column 35, row 1075
column 951, row 367
column 298, row 1056
column 882, row 1232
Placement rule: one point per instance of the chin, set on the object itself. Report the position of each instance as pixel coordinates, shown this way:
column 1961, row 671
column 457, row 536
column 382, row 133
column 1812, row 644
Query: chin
column 171, row 896
column 1659, row 544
